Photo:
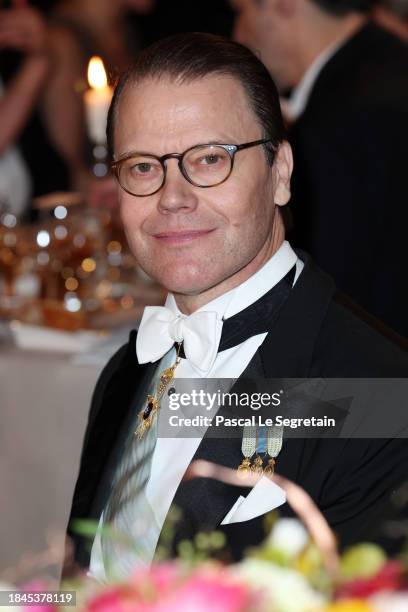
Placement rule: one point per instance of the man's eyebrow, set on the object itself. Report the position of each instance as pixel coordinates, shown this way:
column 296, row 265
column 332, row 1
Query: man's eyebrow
column 218, row 142
column 132, row 153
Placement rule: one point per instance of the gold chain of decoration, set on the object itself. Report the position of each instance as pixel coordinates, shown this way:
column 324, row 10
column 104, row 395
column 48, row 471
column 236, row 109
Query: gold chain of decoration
column 147, row 416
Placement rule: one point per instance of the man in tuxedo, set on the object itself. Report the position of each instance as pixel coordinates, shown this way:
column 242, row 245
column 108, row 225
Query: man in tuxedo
column 348, row 115
column 203, row 168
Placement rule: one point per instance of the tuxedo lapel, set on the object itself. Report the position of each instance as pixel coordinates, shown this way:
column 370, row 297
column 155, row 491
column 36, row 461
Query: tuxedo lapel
column 288, row 349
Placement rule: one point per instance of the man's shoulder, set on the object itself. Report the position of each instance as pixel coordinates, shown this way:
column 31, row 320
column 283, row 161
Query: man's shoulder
column 122, row 356
column 367, row 73
column 120, row 366
column 353, row 343
column 320, row 332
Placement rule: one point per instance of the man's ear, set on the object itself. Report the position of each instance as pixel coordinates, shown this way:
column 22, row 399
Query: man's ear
column 282, row 169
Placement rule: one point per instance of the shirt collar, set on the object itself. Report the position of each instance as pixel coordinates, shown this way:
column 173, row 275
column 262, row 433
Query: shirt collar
column 294, row 106
column 252, row 289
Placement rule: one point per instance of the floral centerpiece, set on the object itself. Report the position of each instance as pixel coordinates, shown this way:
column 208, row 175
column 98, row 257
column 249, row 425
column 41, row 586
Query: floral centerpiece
column 296, row 569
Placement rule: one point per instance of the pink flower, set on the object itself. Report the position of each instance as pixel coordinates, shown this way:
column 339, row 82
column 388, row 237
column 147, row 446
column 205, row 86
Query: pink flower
column 38, row 586
column 159, row 578
column 207, row 593
column 170, row 588
column 107, row 601
column 142, row 591
column 120, row 598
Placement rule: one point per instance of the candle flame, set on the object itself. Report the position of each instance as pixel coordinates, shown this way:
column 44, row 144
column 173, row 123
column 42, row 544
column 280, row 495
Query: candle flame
column 96, row 73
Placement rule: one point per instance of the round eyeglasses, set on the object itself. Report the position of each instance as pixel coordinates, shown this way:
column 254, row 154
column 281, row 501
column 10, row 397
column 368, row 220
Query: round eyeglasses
column 206, row 165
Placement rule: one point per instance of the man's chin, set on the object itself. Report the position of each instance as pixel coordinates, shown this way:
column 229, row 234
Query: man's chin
column 185, row 284
column 185, row 289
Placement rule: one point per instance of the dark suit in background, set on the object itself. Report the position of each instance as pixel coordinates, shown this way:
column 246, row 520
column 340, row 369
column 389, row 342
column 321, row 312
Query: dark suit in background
column 350, row 183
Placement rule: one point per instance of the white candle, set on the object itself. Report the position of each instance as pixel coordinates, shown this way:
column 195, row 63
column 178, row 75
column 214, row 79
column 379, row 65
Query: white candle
column 97, row 100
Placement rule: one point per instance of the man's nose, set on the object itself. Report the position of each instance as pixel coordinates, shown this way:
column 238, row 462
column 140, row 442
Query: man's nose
column 177, row 194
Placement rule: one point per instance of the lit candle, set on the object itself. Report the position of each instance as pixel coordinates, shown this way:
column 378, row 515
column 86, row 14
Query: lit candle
column 97, row 100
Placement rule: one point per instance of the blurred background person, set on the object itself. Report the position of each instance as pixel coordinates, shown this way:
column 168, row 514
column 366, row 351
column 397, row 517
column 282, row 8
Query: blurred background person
column 16, row 103
column 43, row 114
column 348, row 115
column 393, row 15
column 52, row 151
column 106, row 28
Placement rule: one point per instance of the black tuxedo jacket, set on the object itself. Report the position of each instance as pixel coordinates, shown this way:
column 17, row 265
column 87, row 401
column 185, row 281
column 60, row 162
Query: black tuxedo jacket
column 313, row 336
column 350, row 190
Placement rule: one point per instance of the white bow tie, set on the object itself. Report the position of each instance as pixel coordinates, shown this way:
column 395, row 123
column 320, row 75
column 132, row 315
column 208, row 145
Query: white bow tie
column 160, row 328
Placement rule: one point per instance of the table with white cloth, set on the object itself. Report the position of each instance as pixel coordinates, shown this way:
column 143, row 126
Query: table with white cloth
column 44, row 403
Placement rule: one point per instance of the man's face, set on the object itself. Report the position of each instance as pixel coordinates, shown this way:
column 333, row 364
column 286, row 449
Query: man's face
column 188, row 238
column 265, row 28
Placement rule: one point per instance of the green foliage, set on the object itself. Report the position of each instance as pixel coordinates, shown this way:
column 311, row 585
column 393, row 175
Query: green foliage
column 204, row 546
column 362, row 561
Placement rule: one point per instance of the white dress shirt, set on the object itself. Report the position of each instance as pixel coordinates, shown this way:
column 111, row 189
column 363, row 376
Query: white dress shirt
column 294, row 106
column 172, row 456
